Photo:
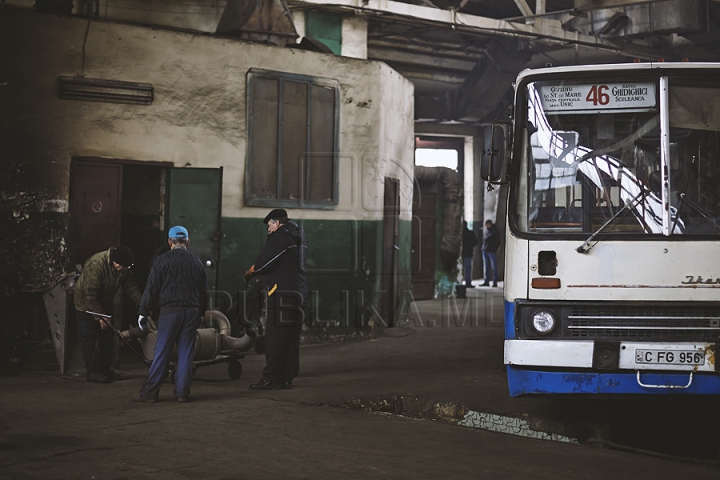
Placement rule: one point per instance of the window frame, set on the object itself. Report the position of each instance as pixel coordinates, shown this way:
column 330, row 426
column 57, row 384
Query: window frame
column 310, row 81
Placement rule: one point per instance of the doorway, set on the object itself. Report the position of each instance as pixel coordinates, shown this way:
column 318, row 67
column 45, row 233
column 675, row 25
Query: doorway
column 116, row 203
column 390, row 248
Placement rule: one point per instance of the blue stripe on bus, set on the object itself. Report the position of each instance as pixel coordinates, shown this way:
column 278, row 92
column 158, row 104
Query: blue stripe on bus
column 523, row 381
column 509, row 320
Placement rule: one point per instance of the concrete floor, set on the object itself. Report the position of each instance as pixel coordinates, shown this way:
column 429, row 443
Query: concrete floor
column 340, row 420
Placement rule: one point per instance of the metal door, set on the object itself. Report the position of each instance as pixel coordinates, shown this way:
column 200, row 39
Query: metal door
column 424, row 243
column 194, row 202
column 390, row 248
column 95, row 208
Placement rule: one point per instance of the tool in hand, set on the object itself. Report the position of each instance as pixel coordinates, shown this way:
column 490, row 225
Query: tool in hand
column 104, row 318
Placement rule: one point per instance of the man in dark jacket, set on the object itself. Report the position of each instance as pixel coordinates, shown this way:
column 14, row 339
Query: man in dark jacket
column 102, row 275
column 282, row 264
column 176, row 288
column 491, row 243
column 469, row 240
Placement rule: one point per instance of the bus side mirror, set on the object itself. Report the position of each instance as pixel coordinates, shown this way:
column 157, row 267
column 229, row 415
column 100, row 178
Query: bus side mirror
column 492, row 160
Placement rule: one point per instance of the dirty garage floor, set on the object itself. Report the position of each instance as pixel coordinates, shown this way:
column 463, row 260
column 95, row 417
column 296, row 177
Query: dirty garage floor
column 54, row 427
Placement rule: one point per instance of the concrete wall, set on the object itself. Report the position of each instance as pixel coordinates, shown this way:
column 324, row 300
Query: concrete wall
column 197, row 119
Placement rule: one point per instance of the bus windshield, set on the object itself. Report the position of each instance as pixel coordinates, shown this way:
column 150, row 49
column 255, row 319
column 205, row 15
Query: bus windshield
column 592, row 159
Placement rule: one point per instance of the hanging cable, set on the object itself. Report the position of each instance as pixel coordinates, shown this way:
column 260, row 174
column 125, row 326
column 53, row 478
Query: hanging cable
column 87, row 31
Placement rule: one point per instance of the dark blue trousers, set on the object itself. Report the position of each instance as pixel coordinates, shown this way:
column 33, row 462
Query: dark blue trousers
column 174, row 328
column 285, row 315
column 467, row 270
column 490, row 259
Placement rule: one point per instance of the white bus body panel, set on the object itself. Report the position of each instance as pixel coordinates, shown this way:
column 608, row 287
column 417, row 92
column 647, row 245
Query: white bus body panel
column 630, row 271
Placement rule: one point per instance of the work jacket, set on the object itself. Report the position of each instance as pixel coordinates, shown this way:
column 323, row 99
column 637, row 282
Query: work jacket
column 282, row 261
column 491, row 239
column 469, row 241
column 99, row 282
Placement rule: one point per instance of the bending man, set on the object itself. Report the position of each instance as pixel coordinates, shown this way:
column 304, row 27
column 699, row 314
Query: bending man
column 95, row 291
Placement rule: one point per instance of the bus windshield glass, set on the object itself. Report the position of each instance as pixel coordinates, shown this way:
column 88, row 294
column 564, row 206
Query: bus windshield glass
column 592, row 159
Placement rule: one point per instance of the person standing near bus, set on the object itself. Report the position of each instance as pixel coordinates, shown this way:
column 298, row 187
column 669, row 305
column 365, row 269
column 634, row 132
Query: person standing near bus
column 282, row 264
column 469, row 240
column 176, row 286
column 491, row 243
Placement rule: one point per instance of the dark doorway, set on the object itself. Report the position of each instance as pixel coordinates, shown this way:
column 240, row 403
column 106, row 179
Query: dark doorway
column 112, row 203
column 143, row 214
column 424, row 241
column 116, row 203
column 391, row 232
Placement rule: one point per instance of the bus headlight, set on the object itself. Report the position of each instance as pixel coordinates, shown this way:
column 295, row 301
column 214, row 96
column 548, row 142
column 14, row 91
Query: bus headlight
column 543, row 322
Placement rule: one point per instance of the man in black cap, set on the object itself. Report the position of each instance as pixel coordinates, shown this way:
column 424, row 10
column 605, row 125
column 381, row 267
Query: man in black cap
column 282, row 264
column 95, row 291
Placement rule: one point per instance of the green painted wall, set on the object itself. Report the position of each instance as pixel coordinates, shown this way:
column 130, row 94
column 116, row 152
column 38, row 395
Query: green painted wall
column 326, row 28
column 343, row 265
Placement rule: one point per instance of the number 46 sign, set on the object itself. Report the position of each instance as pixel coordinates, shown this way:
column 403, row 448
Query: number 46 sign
column 590, row 98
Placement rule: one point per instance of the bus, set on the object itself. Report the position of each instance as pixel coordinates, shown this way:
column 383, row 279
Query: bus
column 612, row 261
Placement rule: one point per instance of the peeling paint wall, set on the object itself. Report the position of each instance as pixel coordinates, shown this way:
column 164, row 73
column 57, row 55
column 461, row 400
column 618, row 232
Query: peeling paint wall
column 197, row 119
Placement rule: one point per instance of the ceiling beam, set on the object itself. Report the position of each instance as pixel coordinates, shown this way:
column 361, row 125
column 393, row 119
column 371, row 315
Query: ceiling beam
column 524, row 8
column 429, row 60
column 542, row 29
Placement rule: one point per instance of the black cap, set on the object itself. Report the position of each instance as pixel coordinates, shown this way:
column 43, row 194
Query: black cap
column 277, row 214
column 122, row 255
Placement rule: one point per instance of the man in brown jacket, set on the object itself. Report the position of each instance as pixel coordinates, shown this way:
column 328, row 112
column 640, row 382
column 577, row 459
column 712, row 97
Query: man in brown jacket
column 95, row 291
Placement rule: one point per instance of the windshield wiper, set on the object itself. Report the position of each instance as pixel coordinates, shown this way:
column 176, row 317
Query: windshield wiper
column 703, row 213
column 684, row 200
column 586, row 247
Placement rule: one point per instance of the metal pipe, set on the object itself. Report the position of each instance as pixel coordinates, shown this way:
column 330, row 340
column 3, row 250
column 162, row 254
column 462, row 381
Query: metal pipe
column 215, row 317
column 104, row 318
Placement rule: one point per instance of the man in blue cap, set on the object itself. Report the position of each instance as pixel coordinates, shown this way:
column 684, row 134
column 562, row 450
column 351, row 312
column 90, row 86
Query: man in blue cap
column 176, row 286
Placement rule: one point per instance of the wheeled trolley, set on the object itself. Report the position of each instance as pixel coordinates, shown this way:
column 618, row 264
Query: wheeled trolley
column 234, row 369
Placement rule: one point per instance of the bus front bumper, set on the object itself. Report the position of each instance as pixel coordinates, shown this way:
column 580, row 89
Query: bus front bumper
column 573, row 367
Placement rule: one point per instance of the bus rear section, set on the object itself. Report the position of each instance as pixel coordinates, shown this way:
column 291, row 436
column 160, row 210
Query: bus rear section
column 613, row 231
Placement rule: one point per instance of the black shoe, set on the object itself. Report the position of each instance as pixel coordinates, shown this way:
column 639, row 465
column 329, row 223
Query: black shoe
column 494, row 284
column 140, row 399
column 469, row 286
column 181, row 399
column 265, row 385
column 113, row 375
column 486, row 284
column 97, row 378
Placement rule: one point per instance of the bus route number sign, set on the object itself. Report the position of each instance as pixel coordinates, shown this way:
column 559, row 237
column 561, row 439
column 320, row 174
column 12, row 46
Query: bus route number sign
column 598, row 97
column 670, row 357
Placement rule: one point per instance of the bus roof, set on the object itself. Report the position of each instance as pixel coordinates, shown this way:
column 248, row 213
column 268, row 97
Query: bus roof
column 610, row 67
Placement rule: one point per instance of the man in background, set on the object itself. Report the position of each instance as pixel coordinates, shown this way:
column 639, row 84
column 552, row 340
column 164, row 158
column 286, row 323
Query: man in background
column 102, row 275
column 469, row 240
column 491, row 243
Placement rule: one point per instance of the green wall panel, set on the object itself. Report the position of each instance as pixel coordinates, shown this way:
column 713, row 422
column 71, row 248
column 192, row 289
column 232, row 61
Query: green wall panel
column 343, row 265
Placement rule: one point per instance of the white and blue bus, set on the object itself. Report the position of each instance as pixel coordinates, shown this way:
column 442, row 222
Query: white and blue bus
column 612, row 274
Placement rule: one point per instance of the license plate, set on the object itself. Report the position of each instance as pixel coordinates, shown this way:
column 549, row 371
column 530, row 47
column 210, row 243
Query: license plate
column 670, row 357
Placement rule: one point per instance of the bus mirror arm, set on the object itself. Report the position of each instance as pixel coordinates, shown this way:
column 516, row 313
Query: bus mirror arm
column 586, row 247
